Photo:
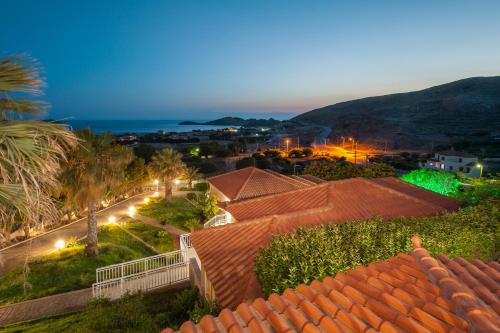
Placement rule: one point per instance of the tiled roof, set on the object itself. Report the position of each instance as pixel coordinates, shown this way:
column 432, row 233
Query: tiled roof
column 227, row 253
column 407, row 293
column 355, row 198
column 253, row 182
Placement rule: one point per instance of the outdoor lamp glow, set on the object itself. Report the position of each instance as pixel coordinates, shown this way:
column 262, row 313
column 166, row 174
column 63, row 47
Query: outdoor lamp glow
column 146, row 200
column 156, row 181
column 131, row 211
column 112, row 219
column 156, row 194
column 177, row 181
column 59, row 244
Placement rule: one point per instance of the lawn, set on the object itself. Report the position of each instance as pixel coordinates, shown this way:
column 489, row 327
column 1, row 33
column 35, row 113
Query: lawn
column 177, row 212
column 70, row 269
column 158, row 238
column 138, row 313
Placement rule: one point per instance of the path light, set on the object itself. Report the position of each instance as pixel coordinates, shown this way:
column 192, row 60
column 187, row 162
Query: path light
column 131, row 211
column 112, row 219
column 59, row 244
column 156, row 194
column 146, row 200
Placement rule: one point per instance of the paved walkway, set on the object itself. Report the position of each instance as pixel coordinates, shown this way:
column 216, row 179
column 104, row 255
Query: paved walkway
column 44, row 244
column 45, row 306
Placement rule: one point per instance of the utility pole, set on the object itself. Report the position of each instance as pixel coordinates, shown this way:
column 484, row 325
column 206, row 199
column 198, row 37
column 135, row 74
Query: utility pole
column 355, row 152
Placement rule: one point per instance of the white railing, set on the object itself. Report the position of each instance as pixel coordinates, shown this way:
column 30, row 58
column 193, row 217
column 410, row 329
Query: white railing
column 141, row 274
column 185, row 241
column 216, row 221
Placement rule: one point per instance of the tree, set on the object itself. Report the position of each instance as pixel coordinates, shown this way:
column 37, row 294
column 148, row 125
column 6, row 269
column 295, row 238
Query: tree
column 207, row 149
column 145, row 151
column 191, row 174
column 206, row 205
column 30, row 151
column 94, row 169
column 168, row 166
column 136, row 176
column 442, row 182
column 340, row 169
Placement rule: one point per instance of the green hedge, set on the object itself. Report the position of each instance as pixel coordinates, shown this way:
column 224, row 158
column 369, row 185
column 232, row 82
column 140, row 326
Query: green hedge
column 313, row 253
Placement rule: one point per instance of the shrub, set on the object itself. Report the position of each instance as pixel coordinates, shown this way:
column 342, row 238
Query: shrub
column 313, row 253
column 201, row 187
column 340, row 169
column 441, row 182
column 191, row 196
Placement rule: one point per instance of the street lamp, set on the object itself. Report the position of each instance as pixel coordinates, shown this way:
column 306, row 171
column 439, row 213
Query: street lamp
column 480, row 166
column 112, row 219
column 287, row 141
column 59, row 244
column 157, row 182
column 131, row 211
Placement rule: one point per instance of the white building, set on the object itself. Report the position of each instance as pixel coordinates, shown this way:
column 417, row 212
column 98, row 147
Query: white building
column 454, row 161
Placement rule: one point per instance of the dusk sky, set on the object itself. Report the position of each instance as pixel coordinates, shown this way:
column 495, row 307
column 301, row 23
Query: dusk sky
column 204, row 59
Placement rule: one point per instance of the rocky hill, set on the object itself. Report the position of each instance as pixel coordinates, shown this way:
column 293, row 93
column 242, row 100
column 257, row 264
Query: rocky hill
column 464, row 110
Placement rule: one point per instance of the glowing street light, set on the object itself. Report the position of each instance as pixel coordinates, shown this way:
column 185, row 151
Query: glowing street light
column 59, row 244
column 480, row 166
column 157, row 183
column 146, row 200
column 112, row 219
column 287, row 141
column 156, row 194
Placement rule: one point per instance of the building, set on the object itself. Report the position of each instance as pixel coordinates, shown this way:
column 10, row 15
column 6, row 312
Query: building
column 252, row 182
column 454, row 161
column 407, row 293
column 225, row 254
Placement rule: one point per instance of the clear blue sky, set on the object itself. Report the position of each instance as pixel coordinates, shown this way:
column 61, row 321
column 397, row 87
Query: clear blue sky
column 201, row 59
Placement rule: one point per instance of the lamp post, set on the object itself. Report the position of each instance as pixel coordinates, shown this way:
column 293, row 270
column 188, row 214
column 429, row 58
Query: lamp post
column 287, row 141
column 480, row 166
column 157, row 182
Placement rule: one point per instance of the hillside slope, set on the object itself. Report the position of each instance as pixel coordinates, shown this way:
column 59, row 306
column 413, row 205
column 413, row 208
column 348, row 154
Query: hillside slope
column 467, row 109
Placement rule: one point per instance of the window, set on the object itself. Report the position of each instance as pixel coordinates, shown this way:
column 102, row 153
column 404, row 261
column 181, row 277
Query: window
column 461, row 169
column 460, row 160
column 442, row 158
column 451, row 167
column 467, row 170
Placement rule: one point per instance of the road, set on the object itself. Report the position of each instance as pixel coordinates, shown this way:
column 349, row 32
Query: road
column 44, row 244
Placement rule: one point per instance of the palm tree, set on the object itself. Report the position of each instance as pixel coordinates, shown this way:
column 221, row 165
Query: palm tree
column 96, row 167
column 30, row 151
column 191, row 174
column 168, row 166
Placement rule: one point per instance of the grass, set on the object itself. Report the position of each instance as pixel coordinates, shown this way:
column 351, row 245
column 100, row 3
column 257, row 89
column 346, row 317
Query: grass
column 158, row 238
column 70, row 269
column 137, row 313
column 177, row 212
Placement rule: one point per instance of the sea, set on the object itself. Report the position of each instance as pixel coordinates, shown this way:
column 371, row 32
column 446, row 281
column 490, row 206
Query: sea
column 136, row 126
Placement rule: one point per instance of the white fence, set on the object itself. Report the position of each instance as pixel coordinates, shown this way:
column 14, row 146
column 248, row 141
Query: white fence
column 216, row 221
column 144, row 274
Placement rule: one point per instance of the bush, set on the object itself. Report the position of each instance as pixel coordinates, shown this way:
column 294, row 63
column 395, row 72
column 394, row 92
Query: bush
column 313, row 253
column 202, row 187
column 441, row 182
column 191, row 196
column 340, row 169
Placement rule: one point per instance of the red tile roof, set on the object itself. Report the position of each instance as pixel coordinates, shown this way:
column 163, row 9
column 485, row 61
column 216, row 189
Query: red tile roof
column 227, row 253
column 406, row 293
column 355, row 198
column 253, row 182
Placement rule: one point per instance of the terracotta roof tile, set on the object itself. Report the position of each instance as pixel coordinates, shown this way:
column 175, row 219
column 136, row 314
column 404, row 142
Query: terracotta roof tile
column 253, row 182
column 375, row 300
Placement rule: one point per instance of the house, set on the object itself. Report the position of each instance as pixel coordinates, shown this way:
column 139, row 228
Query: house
column 225, row 254
column 407, row 293
column 454, row 161
column 252, row 182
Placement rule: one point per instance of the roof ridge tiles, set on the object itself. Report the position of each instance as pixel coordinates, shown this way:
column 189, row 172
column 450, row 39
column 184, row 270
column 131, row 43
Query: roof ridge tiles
column 245, row 183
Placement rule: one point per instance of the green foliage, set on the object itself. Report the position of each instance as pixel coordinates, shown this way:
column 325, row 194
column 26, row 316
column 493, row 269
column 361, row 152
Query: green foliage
column 208, row 149
column 206, row 205
column 145, row 151
column 74, row 269
column 175, row 212
column 201, row 308
column 313, row 253
column 442, row 182
column 191, row 196
column 133, row 313
column 477, row 190
column 201, row 186
column 339, row 169
column 158, row 238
